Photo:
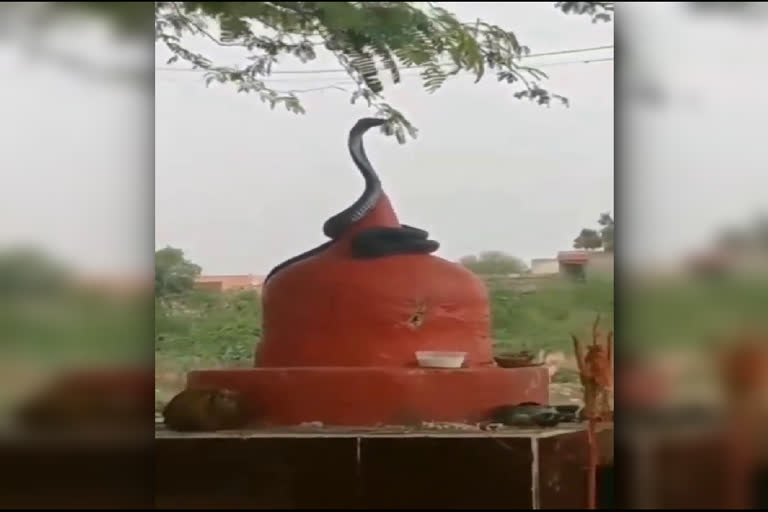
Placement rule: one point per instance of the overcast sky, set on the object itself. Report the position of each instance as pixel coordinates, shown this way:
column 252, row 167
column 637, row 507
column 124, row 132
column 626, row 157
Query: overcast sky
column 76, row 151
column 241, row 188
column 699, row 162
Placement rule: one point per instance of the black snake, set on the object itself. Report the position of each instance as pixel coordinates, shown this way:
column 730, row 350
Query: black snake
column 373, row 242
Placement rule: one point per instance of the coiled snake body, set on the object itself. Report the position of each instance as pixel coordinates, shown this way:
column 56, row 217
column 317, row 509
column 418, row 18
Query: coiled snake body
column 373, row 242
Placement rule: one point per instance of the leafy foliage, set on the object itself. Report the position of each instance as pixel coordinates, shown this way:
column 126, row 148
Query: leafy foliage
column 173, row 272
column 606, row 233
column 494, row 263
column 30, row 271
column 594, row 239
column 753, row 236
column 208, row 325
column 588, row 239
column 205, row 330
column 598, row 11
column 367, row 39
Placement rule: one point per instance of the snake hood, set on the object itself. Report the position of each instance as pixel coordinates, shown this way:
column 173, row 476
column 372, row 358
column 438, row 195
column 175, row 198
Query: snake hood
column 338, row 224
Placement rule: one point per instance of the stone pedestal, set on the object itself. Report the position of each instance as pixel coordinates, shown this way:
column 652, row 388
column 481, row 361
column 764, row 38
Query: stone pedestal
column 371, row 396
column 332, row 469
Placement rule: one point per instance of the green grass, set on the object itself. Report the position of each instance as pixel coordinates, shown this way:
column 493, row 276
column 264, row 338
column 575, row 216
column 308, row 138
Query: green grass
column 210, row 330
column 213, row 330
column 204, row 329
column 74, row 327
column 545, row 319
column 690, row 314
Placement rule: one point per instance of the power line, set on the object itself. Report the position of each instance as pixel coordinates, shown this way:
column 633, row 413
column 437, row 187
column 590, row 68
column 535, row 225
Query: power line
column 590, row 61
column 543, row 65
column 338, row 85
column 339, row 70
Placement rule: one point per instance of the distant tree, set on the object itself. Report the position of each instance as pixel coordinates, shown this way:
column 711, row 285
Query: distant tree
column 606, row 233
column 760, row 230
column 494, row 262
column 752, row 236
column 173, row 272
column 732, row 238
column 28, row 270
column 595, row 239
column 588, row 239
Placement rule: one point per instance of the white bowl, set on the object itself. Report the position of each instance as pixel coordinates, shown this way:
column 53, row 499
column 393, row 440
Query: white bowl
column 434, row 359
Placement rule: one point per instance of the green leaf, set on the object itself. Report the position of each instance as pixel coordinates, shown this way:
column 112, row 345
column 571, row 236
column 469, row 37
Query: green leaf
column 365, row 37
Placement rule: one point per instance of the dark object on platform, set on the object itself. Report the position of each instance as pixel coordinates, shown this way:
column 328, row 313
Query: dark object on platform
column 70, row 405
column 569, row 413
column 516, row 360
column 526, row 415
column 205, row 410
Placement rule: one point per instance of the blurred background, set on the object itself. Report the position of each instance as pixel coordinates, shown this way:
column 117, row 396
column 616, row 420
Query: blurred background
column 693, row 251
column 77, row 209
column 691, row 184
column 76, row 200
column 76, row 224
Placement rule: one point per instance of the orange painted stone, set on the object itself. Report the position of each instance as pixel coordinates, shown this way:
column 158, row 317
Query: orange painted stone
column 371, row 396
column 340, row 336
column 333, row 310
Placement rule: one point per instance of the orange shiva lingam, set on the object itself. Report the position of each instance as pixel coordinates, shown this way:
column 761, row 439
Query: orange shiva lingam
column 346, row 322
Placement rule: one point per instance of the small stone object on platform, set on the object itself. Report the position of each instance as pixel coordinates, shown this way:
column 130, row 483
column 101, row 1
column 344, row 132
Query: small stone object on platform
column 205, row 410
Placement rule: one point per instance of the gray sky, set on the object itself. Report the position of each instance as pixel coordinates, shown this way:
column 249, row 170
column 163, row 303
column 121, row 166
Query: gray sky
column 241, row 188
column 700, row 164
column 75, row 152
column 487, row 171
